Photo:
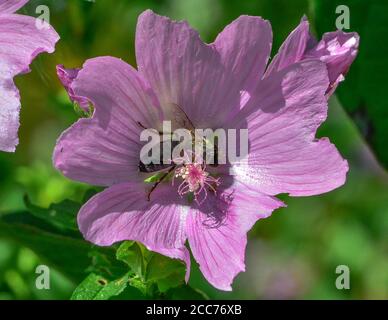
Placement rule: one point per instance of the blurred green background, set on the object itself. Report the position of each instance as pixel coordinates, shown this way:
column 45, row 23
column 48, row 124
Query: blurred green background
column 293, row 254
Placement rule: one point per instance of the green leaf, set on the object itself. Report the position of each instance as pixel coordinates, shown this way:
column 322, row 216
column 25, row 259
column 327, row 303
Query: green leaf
column 104, row 263
column 130, row 253
column 96, row 287
column 90, row 193
column 61, row 215
column 363, row 93
column 150, row 273
column 167, row 273
column 67, row 254
column 108, row 270
column 145, row 288
column 186, row 293
column 150, row 268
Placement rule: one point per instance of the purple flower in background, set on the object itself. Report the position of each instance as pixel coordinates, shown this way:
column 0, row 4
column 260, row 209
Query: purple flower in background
column 221, row 85
column 337, row 49
column 20, row 42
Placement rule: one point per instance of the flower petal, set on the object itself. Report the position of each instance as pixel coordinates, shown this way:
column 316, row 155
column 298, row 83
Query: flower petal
column 67, row 76
column 338, row 50
column 20, row 43
column 285, row 157
column 183, row 70
column 105, row 149
column 245, row 47
column 10, row 6
column 122, row 212
column 293, row 48
column 217, row 231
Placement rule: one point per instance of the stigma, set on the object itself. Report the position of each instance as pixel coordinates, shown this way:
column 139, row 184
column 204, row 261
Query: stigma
column 196, row 180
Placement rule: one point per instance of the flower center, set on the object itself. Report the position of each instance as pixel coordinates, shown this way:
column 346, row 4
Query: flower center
column 189, row 165
column 196, row 180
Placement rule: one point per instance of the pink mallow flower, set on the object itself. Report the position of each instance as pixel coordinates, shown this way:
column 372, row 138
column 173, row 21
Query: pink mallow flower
column 20, row 42
column 220, row 85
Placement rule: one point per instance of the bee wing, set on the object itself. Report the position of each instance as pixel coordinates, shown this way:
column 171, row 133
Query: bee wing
column 178, row 117
column 154, row 168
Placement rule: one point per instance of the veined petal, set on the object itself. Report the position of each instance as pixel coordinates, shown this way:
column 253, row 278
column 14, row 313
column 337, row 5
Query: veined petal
column 245, row 47
column 122, row 212
column 185, row 71
column 105, row 149
column 20, row 43
column 293, row 48
column 284, row 155
column 338, row 50
column 10, row 6
column 217, row 231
